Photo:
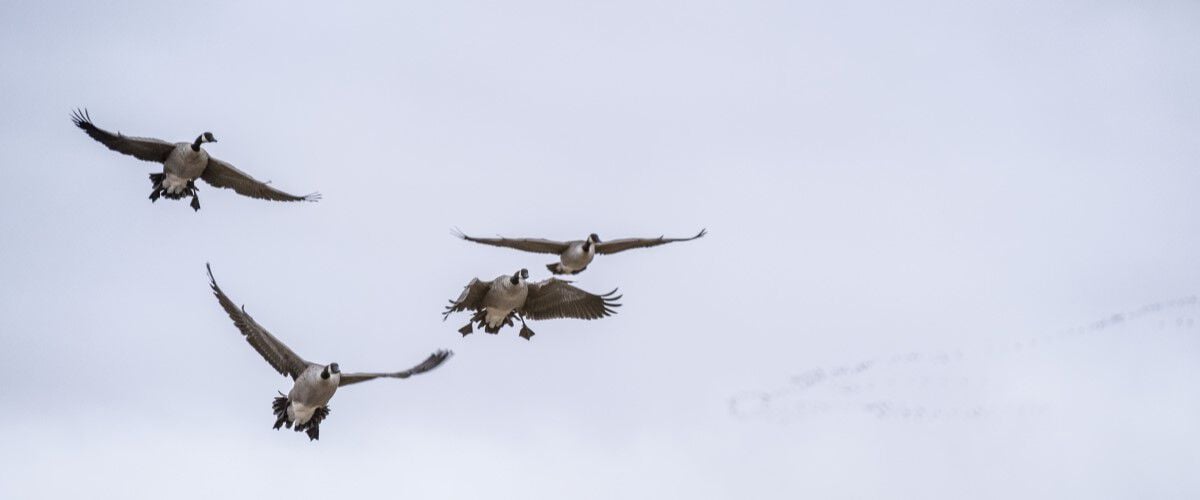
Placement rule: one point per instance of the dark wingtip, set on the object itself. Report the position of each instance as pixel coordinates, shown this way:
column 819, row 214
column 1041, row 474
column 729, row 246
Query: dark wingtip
column 80, row 117
column 703, row 231
column 449, row 310
column 457, row 233
column 312, row 197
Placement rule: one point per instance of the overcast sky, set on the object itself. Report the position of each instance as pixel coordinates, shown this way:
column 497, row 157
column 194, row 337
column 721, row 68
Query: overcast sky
column 882, row 183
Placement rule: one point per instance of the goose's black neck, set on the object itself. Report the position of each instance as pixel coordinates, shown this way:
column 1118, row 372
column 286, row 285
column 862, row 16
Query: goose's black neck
column 199, row 141
column 587, row 245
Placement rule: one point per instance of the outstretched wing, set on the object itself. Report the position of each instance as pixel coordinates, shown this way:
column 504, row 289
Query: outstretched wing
column 536, row 245
column 433, row 361
column 142, row 148
column 275, row 352
column 223, row 175
column 555, row 298
column 471, row 298
column 614, row 246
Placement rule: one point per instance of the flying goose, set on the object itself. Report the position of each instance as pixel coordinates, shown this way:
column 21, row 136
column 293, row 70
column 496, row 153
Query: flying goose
column 574, row 256
column 307, row 404
column 496, row 302
column 183, row 163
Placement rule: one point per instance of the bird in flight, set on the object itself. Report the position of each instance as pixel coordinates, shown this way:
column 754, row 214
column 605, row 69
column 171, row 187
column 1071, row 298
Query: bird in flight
column 574, row 256
column 183, row 163
column 307, row 404
column 498, row 301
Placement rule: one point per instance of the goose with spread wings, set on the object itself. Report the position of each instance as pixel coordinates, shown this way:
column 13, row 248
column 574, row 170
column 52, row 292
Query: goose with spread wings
column 497, row 302
column 183, row 163
column 307, row 404
column 574, row 256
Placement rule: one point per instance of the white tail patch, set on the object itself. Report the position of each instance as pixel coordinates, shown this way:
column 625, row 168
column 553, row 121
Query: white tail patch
column 174, row 184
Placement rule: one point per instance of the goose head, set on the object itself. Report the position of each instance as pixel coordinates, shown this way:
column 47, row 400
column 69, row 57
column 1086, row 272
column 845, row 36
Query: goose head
column 201, row 139
column 592, row 239
column 330, row 369
column 523, row 274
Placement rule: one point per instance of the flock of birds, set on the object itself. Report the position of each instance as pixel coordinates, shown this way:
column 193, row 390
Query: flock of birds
column 494, row 304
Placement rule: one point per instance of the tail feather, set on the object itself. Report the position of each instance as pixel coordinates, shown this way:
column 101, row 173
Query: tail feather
column 159, row 190
column 156, row 180
column 313, row 426
column 280, row 406
column 479, row 320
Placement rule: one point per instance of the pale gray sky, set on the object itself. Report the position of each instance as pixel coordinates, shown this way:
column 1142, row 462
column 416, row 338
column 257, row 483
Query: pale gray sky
column 877, row 178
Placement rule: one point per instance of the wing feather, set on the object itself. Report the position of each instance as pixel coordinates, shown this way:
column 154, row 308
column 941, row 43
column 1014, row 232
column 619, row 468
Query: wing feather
column 614, row 246
column 471, row 298
column 433, row 361
column 278, row 355
column 555, row 298
column 142, row 148
column 536, row 245
column 223, row 175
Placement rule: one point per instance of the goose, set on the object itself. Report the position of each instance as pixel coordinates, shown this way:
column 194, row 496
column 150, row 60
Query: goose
column 307, row 404
column 183, row 163
column 574, row 256
column 496, row 302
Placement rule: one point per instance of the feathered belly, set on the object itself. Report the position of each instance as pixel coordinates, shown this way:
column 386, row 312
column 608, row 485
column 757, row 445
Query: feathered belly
column 185, row 163
column 174, row 184
column 575, row 260
column 495, row 317
column 301, row 413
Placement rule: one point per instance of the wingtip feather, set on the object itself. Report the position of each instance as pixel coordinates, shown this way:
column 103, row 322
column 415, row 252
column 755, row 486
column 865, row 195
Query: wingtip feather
column 81, row 117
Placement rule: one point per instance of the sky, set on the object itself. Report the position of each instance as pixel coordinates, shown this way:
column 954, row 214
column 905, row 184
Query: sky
column 951, row 252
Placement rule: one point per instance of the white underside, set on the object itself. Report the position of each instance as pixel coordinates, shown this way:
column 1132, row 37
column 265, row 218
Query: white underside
column 568, row 268
column 183, row 164
column 300, row 413
column 174, row 184
column 575, row 259
column 495, row 317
